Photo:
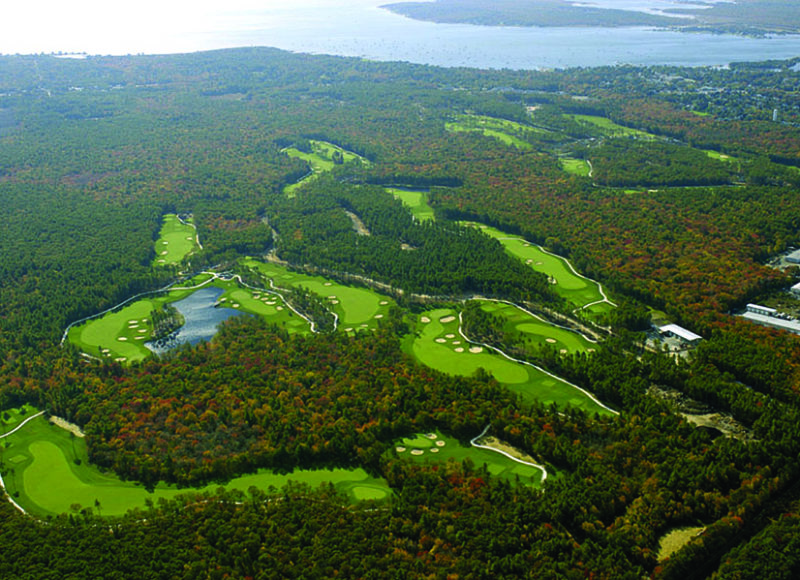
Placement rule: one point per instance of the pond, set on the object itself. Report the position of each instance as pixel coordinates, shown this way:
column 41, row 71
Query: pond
column 202, row 317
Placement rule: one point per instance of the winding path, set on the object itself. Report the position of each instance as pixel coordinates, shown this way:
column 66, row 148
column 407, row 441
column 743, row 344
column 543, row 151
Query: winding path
column 474, row 443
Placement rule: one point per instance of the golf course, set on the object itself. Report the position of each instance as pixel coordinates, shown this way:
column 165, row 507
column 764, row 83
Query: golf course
column 177, row 239
column 430, row 447
column 357, row 308
column 320, row 159
column 416, row 200
column 508, row 132
column 47, row 471
column 439, row 344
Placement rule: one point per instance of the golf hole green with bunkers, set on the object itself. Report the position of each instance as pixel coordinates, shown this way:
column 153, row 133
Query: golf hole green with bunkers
column 430, row 447
column 439, row 345
column 357, row 308
column 121, row 333
column 177, row 239
column 43, row 477
column 582, row 292
column 320, row 159
column 526, row 329
column 503, row 130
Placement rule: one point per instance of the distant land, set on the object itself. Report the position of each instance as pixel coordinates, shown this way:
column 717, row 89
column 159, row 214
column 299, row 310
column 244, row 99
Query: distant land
column 750, row 17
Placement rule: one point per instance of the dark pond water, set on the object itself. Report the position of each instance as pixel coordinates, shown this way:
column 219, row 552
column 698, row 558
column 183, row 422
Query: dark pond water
column 202, row 320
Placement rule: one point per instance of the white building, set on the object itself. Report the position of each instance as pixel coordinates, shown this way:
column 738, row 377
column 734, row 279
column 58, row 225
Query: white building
column 763, row 310
column 678, row 331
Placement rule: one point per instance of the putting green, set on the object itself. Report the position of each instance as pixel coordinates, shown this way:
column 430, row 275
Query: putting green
column 438, row 344
column 357, row 308
column 575, row 166
column 450, row 449
column 50, row 482
column 176, row 241
column 525, row 329
column 416, row 201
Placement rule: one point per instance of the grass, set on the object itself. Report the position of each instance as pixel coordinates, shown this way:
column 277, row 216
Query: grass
column 450, row 449
column 357, row 308
column 503, row 130
column 609, row 127
column 526, row 330
column 176, row 241
column 416, row 201
column 574, row 288
column 719, row 156
column 437, row 343
column 320, row 160
column 120, row 335
column 43, row 477
column 10, row 418
column 575, row 166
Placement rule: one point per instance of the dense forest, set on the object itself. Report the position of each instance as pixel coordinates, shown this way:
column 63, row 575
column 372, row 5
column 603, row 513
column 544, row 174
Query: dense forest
column 93, row 152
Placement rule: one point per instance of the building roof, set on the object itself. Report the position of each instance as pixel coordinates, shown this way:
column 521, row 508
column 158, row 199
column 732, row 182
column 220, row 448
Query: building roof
column 681, row 332
column 761, row 308
column 796, row 287
column 794, row 256
column 790, row 325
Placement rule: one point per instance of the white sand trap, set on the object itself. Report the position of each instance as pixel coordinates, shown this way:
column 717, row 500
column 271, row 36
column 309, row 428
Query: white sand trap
column 271, row 303
column 590, row 350
column 364, row 325
column 456, row 342
column 257, row 296
column 432, row 436
column 551, row 340
column 424, row 320
column 328, row 284
column 331, row 297
column 449, row 335
column 476, row 349
column 441, row 340
column 384, row 302
column 400, row 449
column 190, row 238
column 529, row 261
column 235, row 305
column 121, row 359
column 334, row 302
column 105, row 351
column 563, row 351
column 447, row 319
column 139, row 337
column 165, row 243
column 435, row 450
column 379, row 316
column 141, row 330
column 459, row 349
column 540, row 263
column 417, row 452
column 162, row 261
column 348, row 329
column 440, row 444
column 223, row 299
column 165, row 252
column 279, row 308
column 122, row 339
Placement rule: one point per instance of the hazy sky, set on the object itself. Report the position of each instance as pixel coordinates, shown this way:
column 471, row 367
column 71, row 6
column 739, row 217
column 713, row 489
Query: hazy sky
column 109, row 26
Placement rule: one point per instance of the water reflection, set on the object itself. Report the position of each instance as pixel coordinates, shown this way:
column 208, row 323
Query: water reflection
column 202, row 319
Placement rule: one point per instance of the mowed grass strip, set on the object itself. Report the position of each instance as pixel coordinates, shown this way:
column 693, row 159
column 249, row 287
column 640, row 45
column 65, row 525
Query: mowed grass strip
column 576, row 289
column 320, row 160
column 357, row 308
column 449, row 449
column 609, row 127
column 416, row 200
column 176, row 241
column 526, row 329
column 575, row 166
column 438, row 345
column 50, row 482
column 503, row 130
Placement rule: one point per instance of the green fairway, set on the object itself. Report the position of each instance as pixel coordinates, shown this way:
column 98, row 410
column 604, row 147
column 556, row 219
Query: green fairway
column 719, row 156
column 609, row 127
column 176, row 241
column 526, row 330
column 357, row 308
column 46, row 479
column 439, row 345
column 567, row 283
column 430, row 447
column 575, row 166
column 509, row 132
column 10, row 418
column 416, row 201
column 320, row 160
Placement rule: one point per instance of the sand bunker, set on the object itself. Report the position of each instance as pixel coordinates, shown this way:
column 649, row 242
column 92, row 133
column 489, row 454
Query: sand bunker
column 384, row 302
column 563, row 351
column 121, row 359
column 165, row 252
column 459, row 349
column 447, row 319
column 456, row 342
column 431, row 436
column 435, row 450
column 400, row 449
column 441, row 340
column 141, row 330
column 551, row 340
column 476, row 349
column 590, row 350
column 235, row 305
column 449, row 335
column 139, row 337
column 122, row 339
column 279, row 308
column 440, row 444
column 379, row 316
column 417, row 452
column 331, row 297
column 165, row 243
column 348, row 329
column 328, row 284
column 334, row 302
column 424, row 320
